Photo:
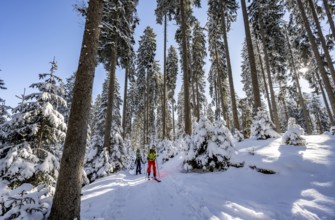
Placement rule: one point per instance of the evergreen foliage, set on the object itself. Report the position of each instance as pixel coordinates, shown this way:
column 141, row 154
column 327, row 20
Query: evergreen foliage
column 293, row 134
column 262, row 126
column 211, row 147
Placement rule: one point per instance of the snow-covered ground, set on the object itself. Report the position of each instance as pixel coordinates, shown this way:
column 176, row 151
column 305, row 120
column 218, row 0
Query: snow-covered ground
column 302, row 188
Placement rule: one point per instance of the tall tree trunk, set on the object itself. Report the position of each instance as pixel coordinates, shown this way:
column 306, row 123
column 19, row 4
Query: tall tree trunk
column 110, row 102
column 319, row 60
column 329, row 16
column 268, row 70
column 254, row 77
column 220, row 79
column 322, row 39
column 164, row 89
column 125, row 102
column 230, row 74
column 147, row 111
column 194, row 103
column 264, row 80
column 66, row 202
column 198, row 99
column 216, row 98
column 330, row 115
column 173, row 122
column 284, row 104
column 296, row 78
column 187, row 110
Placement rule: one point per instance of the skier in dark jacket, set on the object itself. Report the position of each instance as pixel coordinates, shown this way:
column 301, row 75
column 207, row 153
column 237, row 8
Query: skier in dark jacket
column 138, row 162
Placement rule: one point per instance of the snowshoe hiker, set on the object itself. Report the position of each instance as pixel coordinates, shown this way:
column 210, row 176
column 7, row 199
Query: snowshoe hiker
column 138, row 162
column 152, row 161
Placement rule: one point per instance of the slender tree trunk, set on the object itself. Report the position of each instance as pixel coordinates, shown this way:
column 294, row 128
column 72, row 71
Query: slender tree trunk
column 220, row 79
column 187, row 111
column 217, row 98
column 194, row 103
column 173, row 124
column 147, row 111
column 221, row 94
column 322, row 39
column 322, row 70
column 109, row 111
column 329, row 16
column 164, row 92
column 296, row 78
column 268, row 70
column 66, row 202
column 264, row 80
column 125, row 102
column 254, row 77
column 284, row 104
column 230, row 74
column 198, row 99
column 330, row 115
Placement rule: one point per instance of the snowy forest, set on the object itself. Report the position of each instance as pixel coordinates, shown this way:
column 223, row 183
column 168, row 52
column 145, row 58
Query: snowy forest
column 60, row 140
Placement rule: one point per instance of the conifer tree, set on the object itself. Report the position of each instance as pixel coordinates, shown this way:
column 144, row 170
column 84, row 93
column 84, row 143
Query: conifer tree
column 69, row 180
column 211, row 148
column 251, row 57
column 171, row 78
column 116, row 40
column 262, row 127
column 198, row 50
column 4, row 115
column 164, row 11
column 293, row 134
column 38, row 129
column 266, row 17
column 146, row 73
column 184, row 20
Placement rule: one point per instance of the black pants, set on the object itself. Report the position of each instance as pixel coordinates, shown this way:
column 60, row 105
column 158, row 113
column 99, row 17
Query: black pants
column 138, row 168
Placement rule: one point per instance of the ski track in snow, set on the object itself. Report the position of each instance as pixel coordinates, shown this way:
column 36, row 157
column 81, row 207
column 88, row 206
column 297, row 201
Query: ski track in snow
column 302, row 188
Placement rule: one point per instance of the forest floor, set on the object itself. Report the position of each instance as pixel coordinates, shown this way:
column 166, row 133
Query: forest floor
column 303, row 187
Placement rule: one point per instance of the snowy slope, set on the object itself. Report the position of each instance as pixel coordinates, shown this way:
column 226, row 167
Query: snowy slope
column 302, row 188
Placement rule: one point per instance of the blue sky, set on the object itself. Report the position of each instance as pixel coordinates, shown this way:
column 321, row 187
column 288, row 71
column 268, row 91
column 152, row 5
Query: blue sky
column 33, row 32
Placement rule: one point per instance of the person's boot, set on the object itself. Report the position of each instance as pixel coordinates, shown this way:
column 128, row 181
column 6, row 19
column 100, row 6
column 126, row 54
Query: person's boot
column 148, row 175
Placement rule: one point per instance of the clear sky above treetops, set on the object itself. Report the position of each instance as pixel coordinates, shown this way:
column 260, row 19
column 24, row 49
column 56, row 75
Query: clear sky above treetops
column 32, row 33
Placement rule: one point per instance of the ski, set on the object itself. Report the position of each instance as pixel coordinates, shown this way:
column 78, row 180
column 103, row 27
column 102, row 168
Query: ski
column 157, row 180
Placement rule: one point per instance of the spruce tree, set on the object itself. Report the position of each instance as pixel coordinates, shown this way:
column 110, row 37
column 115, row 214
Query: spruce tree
column 198, row 50
column 69, row 180
column 171, row 78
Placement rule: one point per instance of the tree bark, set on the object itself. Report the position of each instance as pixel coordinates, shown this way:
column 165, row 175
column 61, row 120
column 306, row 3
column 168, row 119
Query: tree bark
column 296, row 78
column 254, row 77
column 173, row 123
column 194, row 102
column 268, row 70
column 164, row 92
column 322, row 39
column 329, row 16
column 230, row 74
column 220, row 78
column 198, row 99
column 322, row 70
column 66, row 202
column 264, row 80
column 109, row 111
column 187, row 111
column 217, row 115
column 125, row 102
column 330, row 115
